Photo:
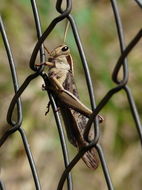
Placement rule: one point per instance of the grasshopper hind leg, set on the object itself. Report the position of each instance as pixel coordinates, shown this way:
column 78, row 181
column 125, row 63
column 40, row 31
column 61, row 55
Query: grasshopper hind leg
column 48, row 107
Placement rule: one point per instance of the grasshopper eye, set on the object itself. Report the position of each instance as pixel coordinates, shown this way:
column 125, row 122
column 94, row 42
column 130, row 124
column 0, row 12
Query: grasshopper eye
column 65, row 48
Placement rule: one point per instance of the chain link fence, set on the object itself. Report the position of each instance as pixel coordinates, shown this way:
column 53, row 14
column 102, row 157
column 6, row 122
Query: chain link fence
column 120, row 84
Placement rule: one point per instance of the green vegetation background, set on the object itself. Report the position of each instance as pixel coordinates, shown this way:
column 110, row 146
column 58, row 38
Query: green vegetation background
column 119, row 137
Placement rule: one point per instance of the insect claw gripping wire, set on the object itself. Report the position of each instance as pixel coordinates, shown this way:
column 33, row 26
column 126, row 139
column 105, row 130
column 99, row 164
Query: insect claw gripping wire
column 48, row 107
column 16, row 125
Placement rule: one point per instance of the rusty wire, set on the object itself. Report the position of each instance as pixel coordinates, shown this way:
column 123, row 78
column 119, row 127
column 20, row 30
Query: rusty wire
column 16, row 125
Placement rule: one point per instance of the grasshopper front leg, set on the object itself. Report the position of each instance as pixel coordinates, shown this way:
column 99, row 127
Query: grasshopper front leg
column 47, row 63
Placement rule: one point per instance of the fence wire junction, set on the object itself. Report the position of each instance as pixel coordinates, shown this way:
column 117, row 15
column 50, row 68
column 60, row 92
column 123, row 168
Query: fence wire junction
column 15, row 105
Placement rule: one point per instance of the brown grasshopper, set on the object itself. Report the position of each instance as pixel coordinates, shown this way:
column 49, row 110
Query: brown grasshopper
column 75, row 114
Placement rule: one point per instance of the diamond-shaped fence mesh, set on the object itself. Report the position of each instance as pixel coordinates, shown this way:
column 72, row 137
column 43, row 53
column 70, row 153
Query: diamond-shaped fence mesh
column 15, row 107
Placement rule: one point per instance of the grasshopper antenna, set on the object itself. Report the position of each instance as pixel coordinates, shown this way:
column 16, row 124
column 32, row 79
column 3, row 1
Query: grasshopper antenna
column 47, row 50
column 66, row 30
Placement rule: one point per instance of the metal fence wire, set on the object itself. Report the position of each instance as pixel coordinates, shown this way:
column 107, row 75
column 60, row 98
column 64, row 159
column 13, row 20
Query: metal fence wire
column 120, row 84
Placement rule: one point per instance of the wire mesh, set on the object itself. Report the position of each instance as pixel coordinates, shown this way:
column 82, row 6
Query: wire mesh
column 121, row 84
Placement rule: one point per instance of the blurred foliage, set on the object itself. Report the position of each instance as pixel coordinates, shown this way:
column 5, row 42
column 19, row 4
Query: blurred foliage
column 119, row 137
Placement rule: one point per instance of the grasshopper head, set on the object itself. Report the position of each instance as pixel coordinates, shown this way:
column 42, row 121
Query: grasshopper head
column 62, row 56
column 60, row 51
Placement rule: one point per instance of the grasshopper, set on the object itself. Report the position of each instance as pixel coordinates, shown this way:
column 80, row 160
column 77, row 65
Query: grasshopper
column 75, row 114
